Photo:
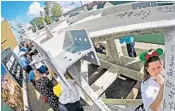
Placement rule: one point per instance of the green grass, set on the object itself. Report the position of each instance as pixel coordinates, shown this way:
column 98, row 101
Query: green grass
column 157, row 38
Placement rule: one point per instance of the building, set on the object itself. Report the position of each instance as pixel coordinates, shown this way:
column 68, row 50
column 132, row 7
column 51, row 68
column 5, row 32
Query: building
column 16, row 31
column 8, row 38
column 19, row 29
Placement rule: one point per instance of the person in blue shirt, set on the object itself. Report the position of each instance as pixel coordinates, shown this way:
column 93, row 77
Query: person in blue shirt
column 32, row 77
column 24, row 61
column 23, row 49
column 24, row 46
column 130, row 43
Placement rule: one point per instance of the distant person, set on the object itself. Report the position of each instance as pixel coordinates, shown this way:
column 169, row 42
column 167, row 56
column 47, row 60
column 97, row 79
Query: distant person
column 24, row 47
column 152, row 86
column 99, row 48
column 70, row 98
column 130, row 43
column 30, row 45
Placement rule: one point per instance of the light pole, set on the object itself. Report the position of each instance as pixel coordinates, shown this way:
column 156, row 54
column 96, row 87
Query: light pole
column 48, row 31
column 37, row 31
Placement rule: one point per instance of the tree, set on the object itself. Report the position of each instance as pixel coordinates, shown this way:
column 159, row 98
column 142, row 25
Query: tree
column 47, row 19
column 56, row 10
column 33, row 29
column 38, row 22
column 33, row 22
column 46, row 8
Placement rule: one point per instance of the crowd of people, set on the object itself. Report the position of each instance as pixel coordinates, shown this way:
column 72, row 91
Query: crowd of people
column 41, row 76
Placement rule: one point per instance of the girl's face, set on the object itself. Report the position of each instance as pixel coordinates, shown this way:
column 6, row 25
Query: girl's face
column 154, row 68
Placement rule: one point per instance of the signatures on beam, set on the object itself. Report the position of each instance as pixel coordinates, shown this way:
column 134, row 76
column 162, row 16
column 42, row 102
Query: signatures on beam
column 166, row 9
column 132, row 13
column 118, row 35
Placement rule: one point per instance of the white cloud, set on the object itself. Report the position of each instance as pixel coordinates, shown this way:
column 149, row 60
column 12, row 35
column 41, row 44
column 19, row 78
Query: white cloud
column 2, row 19
column 34, row 9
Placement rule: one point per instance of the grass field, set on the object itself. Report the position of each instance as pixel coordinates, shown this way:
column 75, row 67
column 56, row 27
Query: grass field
column 157, row 38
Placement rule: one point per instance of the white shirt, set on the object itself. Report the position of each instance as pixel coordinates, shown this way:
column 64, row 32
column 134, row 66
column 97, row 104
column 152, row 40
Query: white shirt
column 149, row 89
column 37, row 58
column 69, row 95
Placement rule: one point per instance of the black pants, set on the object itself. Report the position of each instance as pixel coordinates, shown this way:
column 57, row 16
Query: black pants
column 131, row 49
column 74, row 106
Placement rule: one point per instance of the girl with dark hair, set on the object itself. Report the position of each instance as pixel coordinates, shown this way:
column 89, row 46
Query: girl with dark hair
column 153, row 84
column 45, row 87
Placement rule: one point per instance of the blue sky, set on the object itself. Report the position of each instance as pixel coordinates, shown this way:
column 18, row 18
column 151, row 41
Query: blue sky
column 26, row 10
column 12, row 10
